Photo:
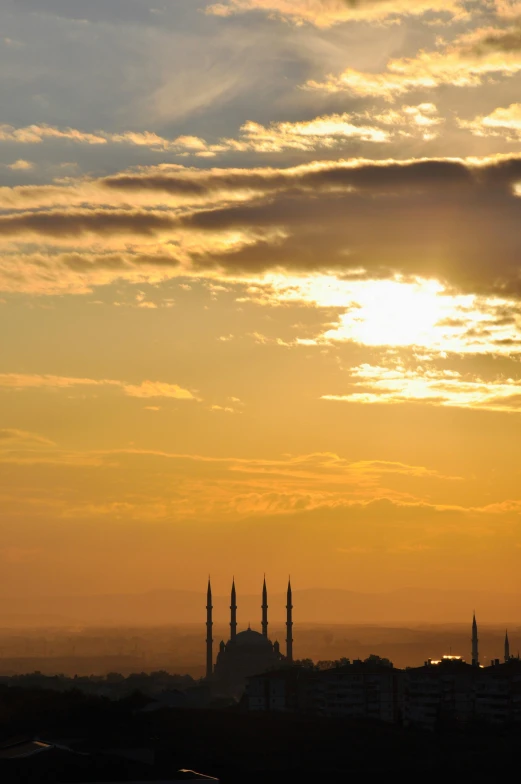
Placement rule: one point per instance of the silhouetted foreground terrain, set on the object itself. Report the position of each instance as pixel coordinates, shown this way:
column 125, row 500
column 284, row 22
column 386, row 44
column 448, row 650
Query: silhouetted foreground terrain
column 235, row 746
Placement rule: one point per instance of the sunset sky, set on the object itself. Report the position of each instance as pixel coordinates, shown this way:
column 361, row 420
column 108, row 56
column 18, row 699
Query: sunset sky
column 260, row 294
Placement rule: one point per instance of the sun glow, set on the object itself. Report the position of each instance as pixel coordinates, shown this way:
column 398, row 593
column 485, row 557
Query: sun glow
column 404, row 313
column 395, row 314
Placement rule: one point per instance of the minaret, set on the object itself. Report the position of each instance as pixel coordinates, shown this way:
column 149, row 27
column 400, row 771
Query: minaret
column 264, row 609
column 289, row 625
column 475, row 651
column 209, row 640
column 233, row 616
column 507, row 647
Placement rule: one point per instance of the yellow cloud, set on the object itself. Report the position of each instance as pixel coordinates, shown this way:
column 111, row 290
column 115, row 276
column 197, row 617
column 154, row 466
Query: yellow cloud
column 324, row 13
column 325, row 131
column 228, row 486
column 241, row 224
column 20, row 165
column 501, row 122
column 10, row 437
column 157, row 389
column 402, row 313
column 147, row 389
column 508, row 9
column 468, row 61
column 397, row 384
column 35, row 134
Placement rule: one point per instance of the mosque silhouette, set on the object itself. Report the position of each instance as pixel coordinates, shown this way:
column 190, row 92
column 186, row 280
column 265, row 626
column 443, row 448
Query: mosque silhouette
column 248, row 652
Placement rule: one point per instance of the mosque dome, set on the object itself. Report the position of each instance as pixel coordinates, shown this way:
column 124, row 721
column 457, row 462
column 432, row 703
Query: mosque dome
column 250, row 637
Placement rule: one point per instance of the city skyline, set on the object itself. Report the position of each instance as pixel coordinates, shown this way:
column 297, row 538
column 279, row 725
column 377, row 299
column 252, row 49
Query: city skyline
column 474, row 658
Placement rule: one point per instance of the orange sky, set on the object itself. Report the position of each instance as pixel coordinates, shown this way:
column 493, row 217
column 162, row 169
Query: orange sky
column 260, row 295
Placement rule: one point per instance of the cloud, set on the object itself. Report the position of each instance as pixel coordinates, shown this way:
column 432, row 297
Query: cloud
column 422, row 314
column 157, row 389
column 147, row 389
column 20, row 165
column 35, row 134
column 391, row 467
column 324, row 13
column 504, row 122
column 398, row 384
column 77, row 272
column 60, row 224
column 233, row 405
column 431, row 219
column 305, row 135
column 495, row 39
column 324, row 131
column 508, row 9
column 10, row 437
column 469, row 61
column 223, row 487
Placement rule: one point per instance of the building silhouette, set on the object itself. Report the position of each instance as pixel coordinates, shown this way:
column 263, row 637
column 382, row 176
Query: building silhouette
column 209, row 625
column 475, row 644
column 446, row 692
column 248, row 652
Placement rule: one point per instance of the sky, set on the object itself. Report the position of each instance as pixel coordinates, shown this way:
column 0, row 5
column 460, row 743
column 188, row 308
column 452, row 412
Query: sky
column 260, row 295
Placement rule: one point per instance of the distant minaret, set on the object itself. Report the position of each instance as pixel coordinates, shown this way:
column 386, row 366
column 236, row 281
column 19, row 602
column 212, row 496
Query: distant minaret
column 209, row 640
column 507, row 647
column 233, row 618
column 264, row 609
column 475, row 651
column 289, row 625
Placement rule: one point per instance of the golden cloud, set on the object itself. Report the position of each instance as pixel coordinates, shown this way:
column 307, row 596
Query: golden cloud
column 323, row 131
column 398, row 384
column 228, row 486
column 501, row 122
column 10, row 437
column 147, row 389
column 509, row 9
column 157, row 389
column 468, row 61
column 35, row 134
column 326, row 131
column 324, row 13
column 20, row 165
column 357, row 219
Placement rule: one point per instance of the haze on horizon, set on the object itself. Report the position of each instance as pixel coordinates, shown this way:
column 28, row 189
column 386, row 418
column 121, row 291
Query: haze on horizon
column 260, row 298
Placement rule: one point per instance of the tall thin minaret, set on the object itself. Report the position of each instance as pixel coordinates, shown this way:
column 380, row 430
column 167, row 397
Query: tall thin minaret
column 209, row 640
column 507, row 647
column 264, row 609
column 475, row 649
column 233, row 613
column 289, row 625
